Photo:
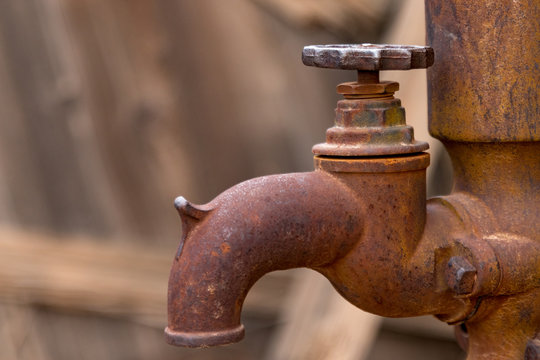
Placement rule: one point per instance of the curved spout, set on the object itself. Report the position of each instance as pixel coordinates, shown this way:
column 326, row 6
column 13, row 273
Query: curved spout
column 264, row 224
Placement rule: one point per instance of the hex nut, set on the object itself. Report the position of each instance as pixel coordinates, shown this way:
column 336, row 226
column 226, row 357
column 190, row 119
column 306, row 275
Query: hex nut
column 460, row 275
column 355, row 88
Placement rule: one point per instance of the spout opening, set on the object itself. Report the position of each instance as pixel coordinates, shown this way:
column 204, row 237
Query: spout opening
column 203, row 339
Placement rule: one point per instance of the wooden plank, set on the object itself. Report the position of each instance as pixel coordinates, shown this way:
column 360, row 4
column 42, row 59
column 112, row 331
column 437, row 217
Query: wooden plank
column 321, row 325
column 84, row 274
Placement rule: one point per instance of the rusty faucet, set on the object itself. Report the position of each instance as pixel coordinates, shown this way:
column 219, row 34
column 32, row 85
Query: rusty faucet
column 361, row 218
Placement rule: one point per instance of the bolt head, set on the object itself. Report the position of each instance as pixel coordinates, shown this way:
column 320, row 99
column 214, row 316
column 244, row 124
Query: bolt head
column 532, row 352
column 460, row 275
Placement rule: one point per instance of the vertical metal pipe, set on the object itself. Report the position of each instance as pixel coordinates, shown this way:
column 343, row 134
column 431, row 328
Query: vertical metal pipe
column 484, row 84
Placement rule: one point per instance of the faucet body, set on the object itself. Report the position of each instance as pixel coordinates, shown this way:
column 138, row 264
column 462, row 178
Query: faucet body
column 361, row 218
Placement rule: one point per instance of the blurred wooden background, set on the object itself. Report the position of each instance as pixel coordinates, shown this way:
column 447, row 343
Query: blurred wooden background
column 109, row 109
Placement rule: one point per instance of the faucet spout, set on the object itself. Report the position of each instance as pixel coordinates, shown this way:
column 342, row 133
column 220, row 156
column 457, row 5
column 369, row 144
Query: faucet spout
column 265, row 224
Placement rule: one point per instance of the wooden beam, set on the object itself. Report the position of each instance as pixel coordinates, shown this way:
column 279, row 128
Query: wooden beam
column 86, row 274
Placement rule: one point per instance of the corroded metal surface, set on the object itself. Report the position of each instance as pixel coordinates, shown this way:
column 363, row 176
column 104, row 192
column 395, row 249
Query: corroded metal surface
column 501, row 173
column 484, row 85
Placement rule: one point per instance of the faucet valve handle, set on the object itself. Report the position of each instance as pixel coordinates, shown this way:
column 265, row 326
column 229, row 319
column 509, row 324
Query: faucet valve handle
column 368, row 57
column 370, row 121
column 368, row 60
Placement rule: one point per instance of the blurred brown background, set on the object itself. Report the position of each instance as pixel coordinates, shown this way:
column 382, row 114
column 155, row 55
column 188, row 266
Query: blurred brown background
column 109, row 109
